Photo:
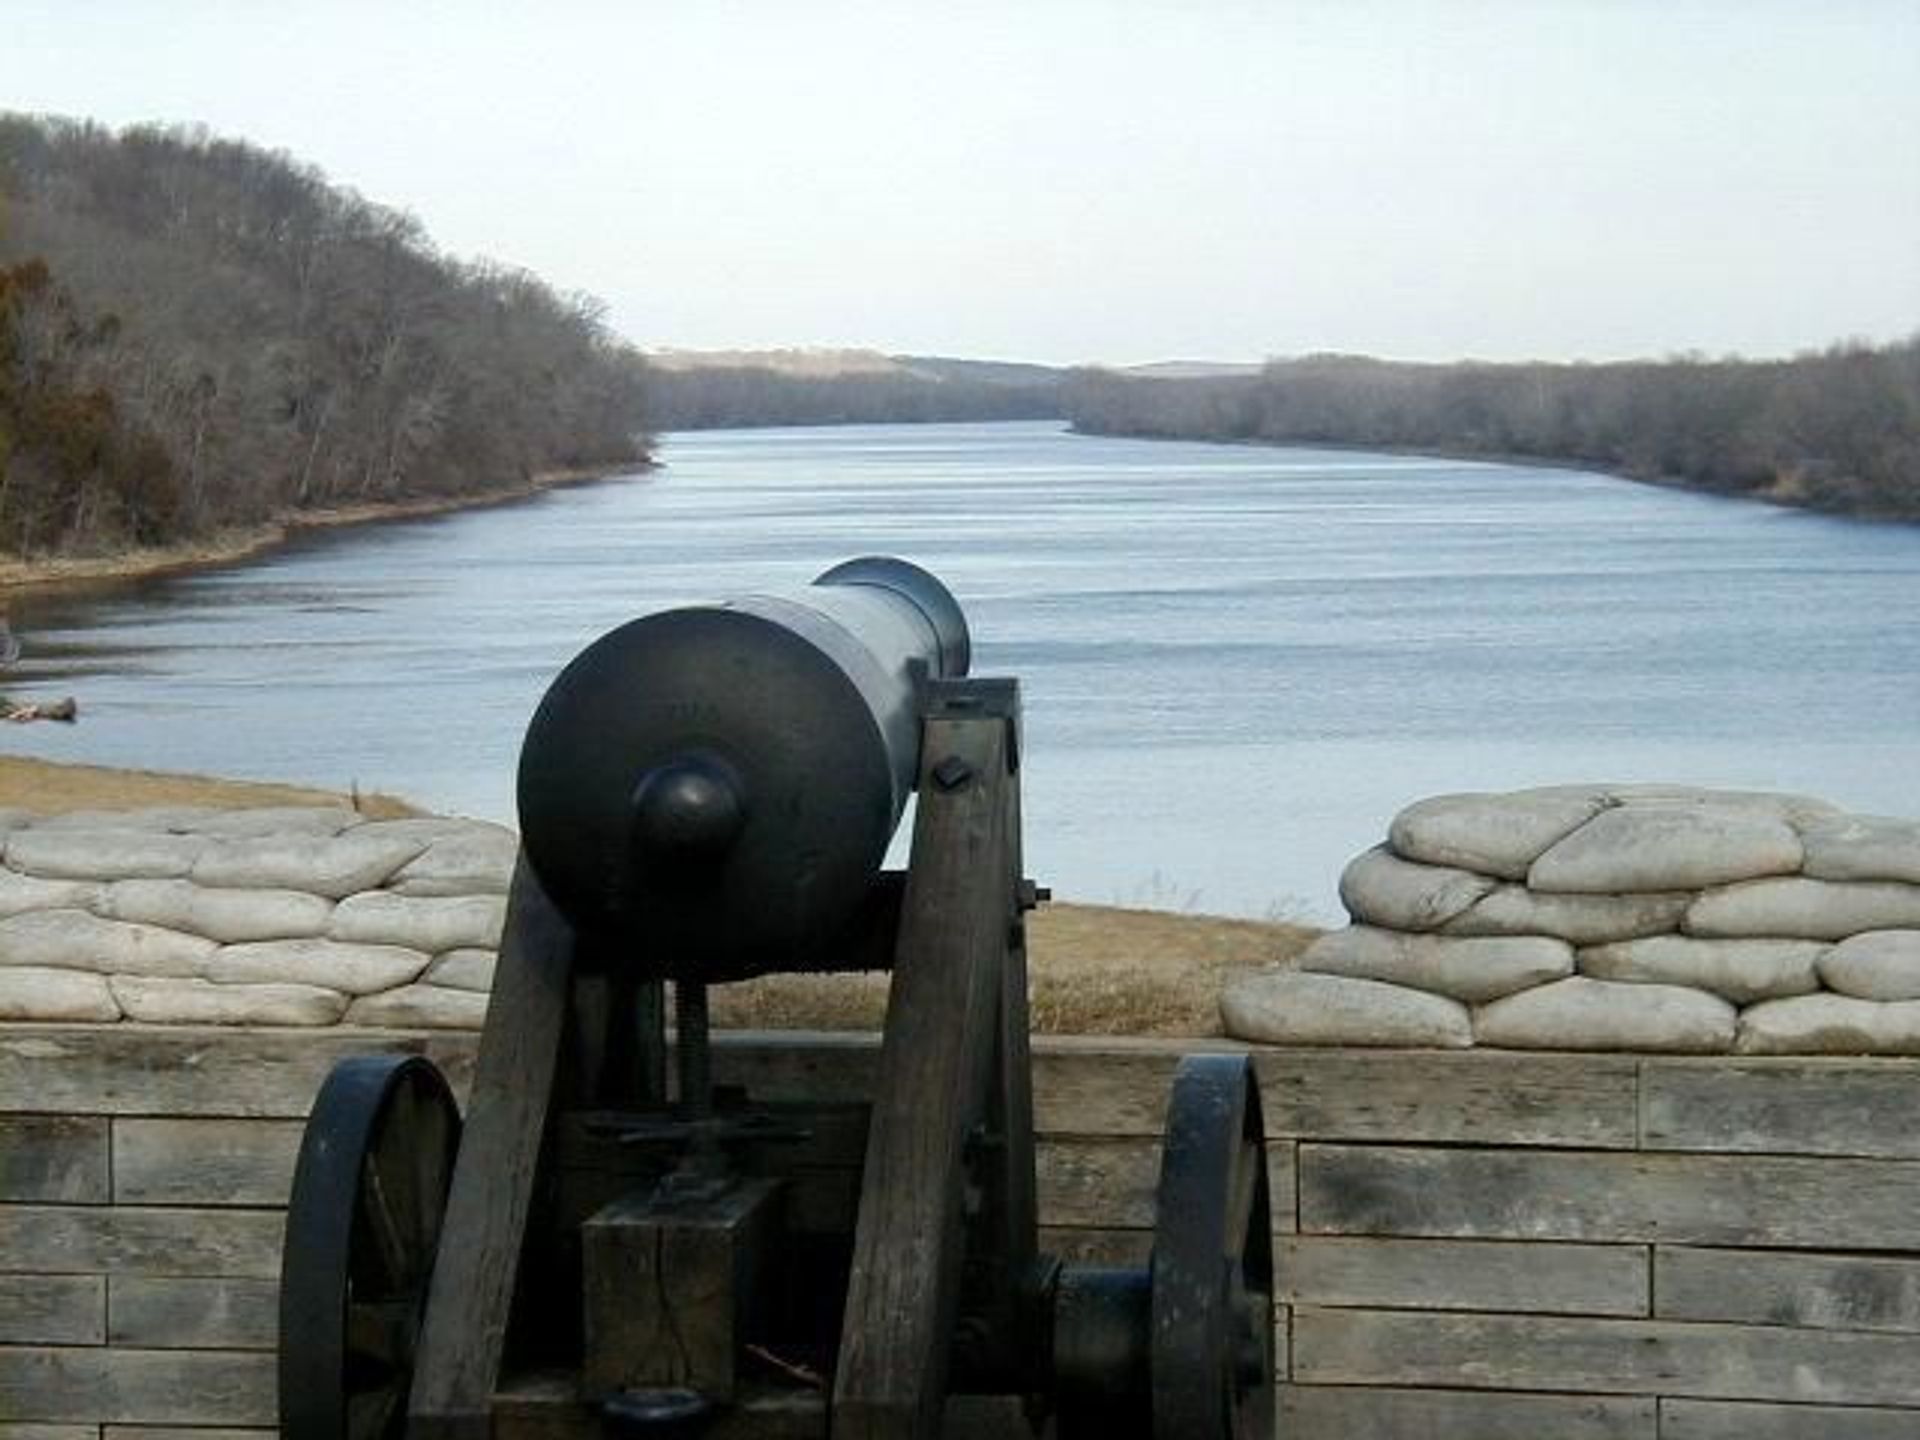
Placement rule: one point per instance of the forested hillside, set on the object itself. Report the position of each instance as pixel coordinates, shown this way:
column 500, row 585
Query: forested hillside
column 197, row 333
column 1836, row 431
column 690, row 391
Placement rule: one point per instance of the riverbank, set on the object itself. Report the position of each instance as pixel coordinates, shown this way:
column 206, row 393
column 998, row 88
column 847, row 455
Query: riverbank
column 1784, row 492
column 237, row 543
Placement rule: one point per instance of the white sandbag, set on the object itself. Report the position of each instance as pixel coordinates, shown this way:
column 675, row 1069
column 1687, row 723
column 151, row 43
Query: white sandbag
column 102, row 854
column 33, row 992
column 350, row 969
column 225, row 914
column 477, row 860
column 429, row 923
column 201, row 1002
column 1635, row 848
column 333, row 866
column 1379, row 888
column 1741, row 971
column 156, row 819
column 1471, row 971
column 463, row 970
column 1578, row 919
column 1584, row 1014
column 77, row 940
column 1862, row 847
column 1875, row 965
column 1490, row 834
column 21, row 893
column 1283, row 1007
column 279, row 821
column 1830, row 1025
column 1805, row 909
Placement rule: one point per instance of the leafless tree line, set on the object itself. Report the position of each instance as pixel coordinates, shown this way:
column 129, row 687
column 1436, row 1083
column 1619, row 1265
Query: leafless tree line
column 196, row 332
column 1836, row 430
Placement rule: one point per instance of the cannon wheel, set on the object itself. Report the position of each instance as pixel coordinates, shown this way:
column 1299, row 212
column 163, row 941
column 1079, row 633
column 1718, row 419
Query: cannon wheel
column 363, row 1224
column 1212, row 1335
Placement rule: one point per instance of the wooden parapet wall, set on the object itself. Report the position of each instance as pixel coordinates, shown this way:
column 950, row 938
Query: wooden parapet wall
column 1471, row 1243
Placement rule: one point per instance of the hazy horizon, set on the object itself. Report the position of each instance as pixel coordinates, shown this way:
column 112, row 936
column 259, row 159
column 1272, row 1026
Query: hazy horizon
column 1093, row 181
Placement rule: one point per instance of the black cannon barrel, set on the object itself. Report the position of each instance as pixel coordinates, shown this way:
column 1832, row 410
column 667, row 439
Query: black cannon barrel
column 709, row 791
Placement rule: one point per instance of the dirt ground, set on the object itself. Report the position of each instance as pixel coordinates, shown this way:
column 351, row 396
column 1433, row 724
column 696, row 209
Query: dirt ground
column 47, row 788
column 1094, row 970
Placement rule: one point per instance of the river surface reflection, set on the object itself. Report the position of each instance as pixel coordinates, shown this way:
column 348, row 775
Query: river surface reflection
column 1237, row 662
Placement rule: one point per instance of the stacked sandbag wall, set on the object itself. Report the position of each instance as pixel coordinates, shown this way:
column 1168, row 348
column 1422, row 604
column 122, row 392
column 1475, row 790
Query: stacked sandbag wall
column 1632, row 917
column 295, row 916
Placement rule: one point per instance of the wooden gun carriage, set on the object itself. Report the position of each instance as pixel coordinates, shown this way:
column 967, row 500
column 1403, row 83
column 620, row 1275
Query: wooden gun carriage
column 614, row 1246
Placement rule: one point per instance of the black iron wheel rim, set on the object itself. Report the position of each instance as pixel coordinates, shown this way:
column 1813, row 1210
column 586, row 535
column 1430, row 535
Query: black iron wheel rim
column 1212, row 1307
column 363, row 1225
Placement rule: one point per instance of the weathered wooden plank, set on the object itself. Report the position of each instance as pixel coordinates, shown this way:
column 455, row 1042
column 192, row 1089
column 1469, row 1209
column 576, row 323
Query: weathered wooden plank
column 1083, row 1085
column 1773, row 1287
column 126, row 1240
column 204, row 1161
column 10, row 1431
column 1860, row 1107
column 1608, row 1197
column 1522, row 1277
column 183, row 1432
column 1608, row 1357
column 1111, row 1183
column 469, row 1301
column 1451, row 1097
column 1079, row 1246
column 52, row 1309
column 1096, row 1086
column 943, row 1017
column 192, row 1314
column 53, row 1159
column 102, row 1384
column 183, row 1070
column 804, row 1066
column 1734, row 1420
column 1346, row 1412
column 1088, row 1182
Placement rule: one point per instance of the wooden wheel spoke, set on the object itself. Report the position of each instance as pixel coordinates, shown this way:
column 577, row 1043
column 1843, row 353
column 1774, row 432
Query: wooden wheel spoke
column 380, row 1333
column 393, row 1245
column 370, row 1413
column 432, row 1172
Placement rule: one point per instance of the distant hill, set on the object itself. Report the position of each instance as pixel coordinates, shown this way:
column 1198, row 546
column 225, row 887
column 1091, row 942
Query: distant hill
column 802, row 361
column 714, row 389
column 1191, row 370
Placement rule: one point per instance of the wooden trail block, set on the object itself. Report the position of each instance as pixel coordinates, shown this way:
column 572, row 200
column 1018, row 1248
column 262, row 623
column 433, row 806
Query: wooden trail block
column 669, row 1286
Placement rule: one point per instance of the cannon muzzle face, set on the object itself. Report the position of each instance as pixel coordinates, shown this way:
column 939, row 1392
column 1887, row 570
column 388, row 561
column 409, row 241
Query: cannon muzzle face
column 687, row 811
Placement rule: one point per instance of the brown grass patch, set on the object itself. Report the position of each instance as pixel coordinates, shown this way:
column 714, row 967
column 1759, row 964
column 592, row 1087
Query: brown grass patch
column 48, row 788
column 1092, row 970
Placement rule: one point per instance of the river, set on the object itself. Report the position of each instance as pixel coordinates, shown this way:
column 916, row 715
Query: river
column 1237, row 663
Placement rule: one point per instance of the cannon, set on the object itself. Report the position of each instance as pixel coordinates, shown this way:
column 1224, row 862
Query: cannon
column 613, row 1245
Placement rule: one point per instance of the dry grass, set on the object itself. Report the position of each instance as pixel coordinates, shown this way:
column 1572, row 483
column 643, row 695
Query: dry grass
column 47, row 788
column 1093, row 970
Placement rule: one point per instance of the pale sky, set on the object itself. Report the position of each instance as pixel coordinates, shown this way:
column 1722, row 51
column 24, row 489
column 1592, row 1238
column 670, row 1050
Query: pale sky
column 1091, row 180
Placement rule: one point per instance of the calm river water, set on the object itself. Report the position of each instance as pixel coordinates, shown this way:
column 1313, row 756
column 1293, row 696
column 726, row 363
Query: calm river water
column 1237, row 662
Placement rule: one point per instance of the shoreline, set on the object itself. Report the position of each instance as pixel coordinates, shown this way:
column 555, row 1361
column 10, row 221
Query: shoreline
column 234, row 544
column 1780, row 495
